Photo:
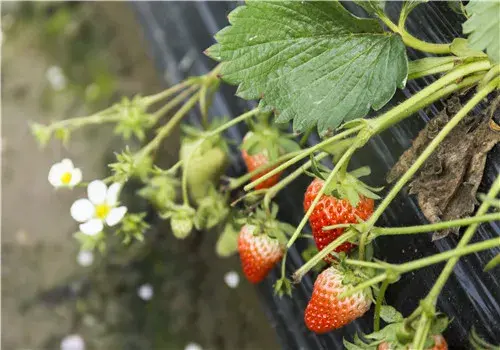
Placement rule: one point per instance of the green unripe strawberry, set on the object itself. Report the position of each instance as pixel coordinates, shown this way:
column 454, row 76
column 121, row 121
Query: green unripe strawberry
column 182, row 221
column 204, row 161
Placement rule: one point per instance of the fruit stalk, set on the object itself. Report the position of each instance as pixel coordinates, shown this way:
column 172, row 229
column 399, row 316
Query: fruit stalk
column 448, row 269
column 297, row 276
column 413, row 42
column 173, row 103
column 423, row 157
column 165, row 130
column 419, row 263
column 303, row 155
column 273, row 191
column 392, row 231
column 344, row 159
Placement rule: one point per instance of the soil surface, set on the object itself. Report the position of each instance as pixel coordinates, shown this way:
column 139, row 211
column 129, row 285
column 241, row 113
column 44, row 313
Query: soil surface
column 46, row 295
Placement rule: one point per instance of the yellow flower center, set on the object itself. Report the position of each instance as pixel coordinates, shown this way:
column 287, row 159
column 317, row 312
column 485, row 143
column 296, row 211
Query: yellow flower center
column 66, row 178
column 102, row 210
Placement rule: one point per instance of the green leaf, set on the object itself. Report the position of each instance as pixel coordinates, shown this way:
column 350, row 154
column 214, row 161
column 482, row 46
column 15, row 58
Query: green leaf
column 312, row 62
column 460, row 47
column 373, row 7
column 390, row 314
column 483, row 27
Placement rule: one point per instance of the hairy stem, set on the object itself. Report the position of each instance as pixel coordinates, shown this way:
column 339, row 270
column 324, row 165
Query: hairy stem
column 166, row 129
column 378, row 305
column 391, row 231
column 448, row 269
column 297, row 276
column 423, row 157
column 305, row 153
column 240, row 181
column 173, row 103
column 413, row 42
column 273, row 191
column 419, row 263
column 345, row 158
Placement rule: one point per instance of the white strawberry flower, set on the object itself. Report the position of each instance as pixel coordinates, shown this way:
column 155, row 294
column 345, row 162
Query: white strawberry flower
column 99, row 208
column 64, row 174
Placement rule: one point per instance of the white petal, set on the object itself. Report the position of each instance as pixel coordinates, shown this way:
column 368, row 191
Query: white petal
column 193, row 346
column 145, row 292
column 112, row 195
column 76, row 177
column 82, row 210
column 92, row 227
column 72, row 342
column 67, row 165
column 115, row 215
column 55, row 174
column 97, row 191
column 85, row 258
column 232, row 279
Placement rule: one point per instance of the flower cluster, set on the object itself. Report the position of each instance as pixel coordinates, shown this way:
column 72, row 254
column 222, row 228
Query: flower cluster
column 100, row 209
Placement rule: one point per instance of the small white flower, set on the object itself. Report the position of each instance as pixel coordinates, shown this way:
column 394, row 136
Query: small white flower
column 72, row 342
column 56, row 78
column 232, row 279
column 145, row 291
column 85, row 258
column 64, row 174
column 193, row 346
column 99, row 208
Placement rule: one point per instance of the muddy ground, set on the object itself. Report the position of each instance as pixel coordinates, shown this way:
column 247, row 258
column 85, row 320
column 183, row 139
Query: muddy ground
column 45, row 293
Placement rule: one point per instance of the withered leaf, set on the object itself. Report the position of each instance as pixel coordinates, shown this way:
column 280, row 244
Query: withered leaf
column 447, row 183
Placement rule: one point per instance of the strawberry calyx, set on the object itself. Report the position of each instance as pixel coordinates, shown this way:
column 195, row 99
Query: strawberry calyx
column 267, row 139
column 345, row 184
column 265, row 222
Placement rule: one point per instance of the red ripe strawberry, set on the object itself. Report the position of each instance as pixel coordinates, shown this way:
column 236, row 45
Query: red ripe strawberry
column 325, row 311
column 439, row 344
column 258, row 253
column 331, row 210
column 255, row 161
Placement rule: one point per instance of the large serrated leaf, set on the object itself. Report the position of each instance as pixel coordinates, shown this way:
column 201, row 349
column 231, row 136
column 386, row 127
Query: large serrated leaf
column 483, row 27
column 312, row 62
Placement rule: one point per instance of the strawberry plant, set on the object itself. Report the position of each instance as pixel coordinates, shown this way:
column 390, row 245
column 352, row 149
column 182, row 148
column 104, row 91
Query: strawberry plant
column 317, row 68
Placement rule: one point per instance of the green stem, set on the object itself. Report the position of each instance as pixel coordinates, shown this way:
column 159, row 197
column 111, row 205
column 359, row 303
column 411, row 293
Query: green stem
column 273, row 191
column 362, row 263
column 149, row 100
column 240, row 181
column 345, row 158
column 165, row 130
column 297, row 276
column 233, row 122
column 389, row 231
column 305, row 137
column 439, row 69
column 105, row 116
column 425, row 96
column 172, row 103
column 378, row 305
column 371, row 282
column 305, row 153
column 415, row 43
column 452, row 255
column 448, row 269
column 419, row 263
column 425, row 154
